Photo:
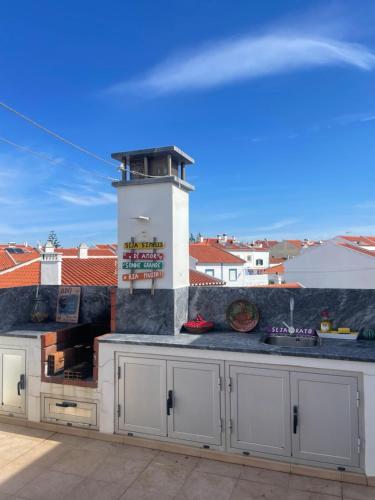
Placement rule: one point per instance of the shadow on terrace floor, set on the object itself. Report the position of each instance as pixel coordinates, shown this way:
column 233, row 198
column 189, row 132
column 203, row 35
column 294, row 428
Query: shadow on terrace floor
column 41, row 465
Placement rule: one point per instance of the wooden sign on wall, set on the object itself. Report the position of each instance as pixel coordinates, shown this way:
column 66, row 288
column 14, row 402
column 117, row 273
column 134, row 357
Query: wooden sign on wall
column 142, row 276
column 142, row 265
column 68, row 304
column 142, row 245
column 143, row 256
column 143, row 261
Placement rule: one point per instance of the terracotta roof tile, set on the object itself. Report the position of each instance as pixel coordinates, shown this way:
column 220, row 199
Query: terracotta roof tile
column 201, row 279
column 277, row 260
column 360, row 240
column 89, row 272
column 211, row 254
column 26, row 275
column 354, row 248
column 297, row 243
column 92, row 252
column 240, row 247
column 280, row 269
column 9, row 258
column 5, row 261
column 266, row 244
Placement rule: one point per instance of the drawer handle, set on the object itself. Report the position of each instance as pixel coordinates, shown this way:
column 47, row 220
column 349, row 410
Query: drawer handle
column 20, row 384
column 295, row 419
column 67, row 404
column 169, row 402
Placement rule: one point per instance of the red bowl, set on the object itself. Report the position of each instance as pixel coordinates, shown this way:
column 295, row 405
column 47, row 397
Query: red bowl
column 199, row 329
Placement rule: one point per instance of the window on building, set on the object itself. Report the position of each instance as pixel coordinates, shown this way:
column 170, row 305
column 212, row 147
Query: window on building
column 210, row 272
column 259, row 262
column 248, row 258
column 232, row 274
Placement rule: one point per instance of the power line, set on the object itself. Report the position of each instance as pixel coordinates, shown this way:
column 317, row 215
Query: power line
column 45, row 157
column 55, row 135
column 70, row 143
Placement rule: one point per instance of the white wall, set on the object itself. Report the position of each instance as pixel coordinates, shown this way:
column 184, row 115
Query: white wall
column 254, row 256
column 50, row 269
column 167, row 205
column 221, row 271
column 331, row 266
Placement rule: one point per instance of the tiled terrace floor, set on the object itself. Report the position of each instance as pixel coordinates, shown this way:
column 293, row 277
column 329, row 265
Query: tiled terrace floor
column 41, row 465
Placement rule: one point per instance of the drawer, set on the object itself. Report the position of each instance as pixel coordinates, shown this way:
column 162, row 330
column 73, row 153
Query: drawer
column 70, row 411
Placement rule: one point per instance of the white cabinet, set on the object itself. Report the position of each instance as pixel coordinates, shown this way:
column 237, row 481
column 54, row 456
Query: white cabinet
column 13, row 381
column 142, row 395
column 180, row 400
column 195, row 413
column 259, row 410
column 311, row 417
column 302, row 416
column 325, row 418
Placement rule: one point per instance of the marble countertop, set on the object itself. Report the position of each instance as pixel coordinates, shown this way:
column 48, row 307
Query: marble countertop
column 34, row 330
column 360, row 350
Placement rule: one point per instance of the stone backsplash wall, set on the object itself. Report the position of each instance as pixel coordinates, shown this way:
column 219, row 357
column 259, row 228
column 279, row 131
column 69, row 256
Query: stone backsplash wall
column 349, row 308
column 160, row 314
column 164, row 312
column 16, row 304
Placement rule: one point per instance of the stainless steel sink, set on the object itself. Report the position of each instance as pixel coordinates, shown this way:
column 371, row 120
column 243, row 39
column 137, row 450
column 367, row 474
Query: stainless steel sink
column 290, row 341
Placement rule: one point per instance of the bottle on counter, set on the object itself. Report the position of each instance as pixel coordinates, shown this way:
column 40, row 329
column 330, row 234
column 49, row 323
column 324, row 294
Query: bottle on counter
column 326, row 324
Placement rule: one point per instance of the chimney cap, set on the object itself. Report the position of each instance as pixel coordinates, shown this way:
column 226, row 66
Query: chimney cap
column 49, row 247
column 174, row 151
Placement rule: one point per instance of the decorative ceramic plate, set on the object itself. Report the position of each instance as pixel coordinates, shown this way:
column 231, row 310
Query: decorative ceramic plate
column 243, row 316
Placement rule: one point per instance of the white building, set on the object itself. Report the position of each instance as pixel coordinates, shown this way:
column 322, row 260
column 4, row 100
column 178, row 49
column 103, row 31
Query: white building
column 334, row 264
column 227, row 266
column 255, row 259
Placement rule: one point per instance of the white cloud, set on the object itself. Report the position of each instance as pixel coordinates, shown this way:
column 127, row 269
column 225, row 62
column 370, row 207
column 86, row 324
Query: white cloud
column 348, row 119
column 85, row 200
column 247, row 58
column 277, row 225
column 97, row 226
column 370, row 204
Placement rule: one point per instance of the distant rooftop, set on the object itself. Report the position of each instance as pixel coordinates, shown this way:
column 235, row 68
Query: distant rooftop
column 359, row 240
column 211, row 254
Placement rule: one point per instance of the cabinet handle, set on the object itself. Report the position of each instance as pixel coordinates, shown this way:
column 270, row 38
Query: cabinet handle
column 67, row 404
column 295, row 419
column 20, row 384
column 169, row 402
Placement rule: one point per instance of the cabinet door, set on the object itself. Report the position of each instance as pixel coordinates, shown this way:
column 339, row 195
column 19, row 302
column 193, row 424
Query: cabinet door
column 13, row 381
column 142, row 395
column 259, row 410
column 194, row 391
column 325, row 418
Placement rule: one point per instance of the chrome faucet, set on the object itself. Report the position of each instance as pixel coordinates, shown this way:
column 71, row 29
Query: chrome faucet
column 290, row 327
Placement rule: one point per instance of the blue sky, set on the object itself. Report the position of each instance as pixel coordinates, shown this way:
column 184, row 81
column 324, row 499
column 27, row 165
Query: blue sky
column 274, row 100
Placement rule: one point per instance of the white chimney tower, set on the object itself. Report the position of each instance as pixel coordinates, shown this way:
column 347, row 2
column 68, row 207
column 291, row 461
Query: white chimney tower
column 153, row 236
column 50, row 266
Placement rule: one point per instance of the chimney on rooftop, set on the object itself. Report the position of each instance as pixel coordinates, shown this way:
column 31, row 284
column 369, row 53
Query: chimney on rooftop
column 50, row 266
column 83, row 251
column 153, row 239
